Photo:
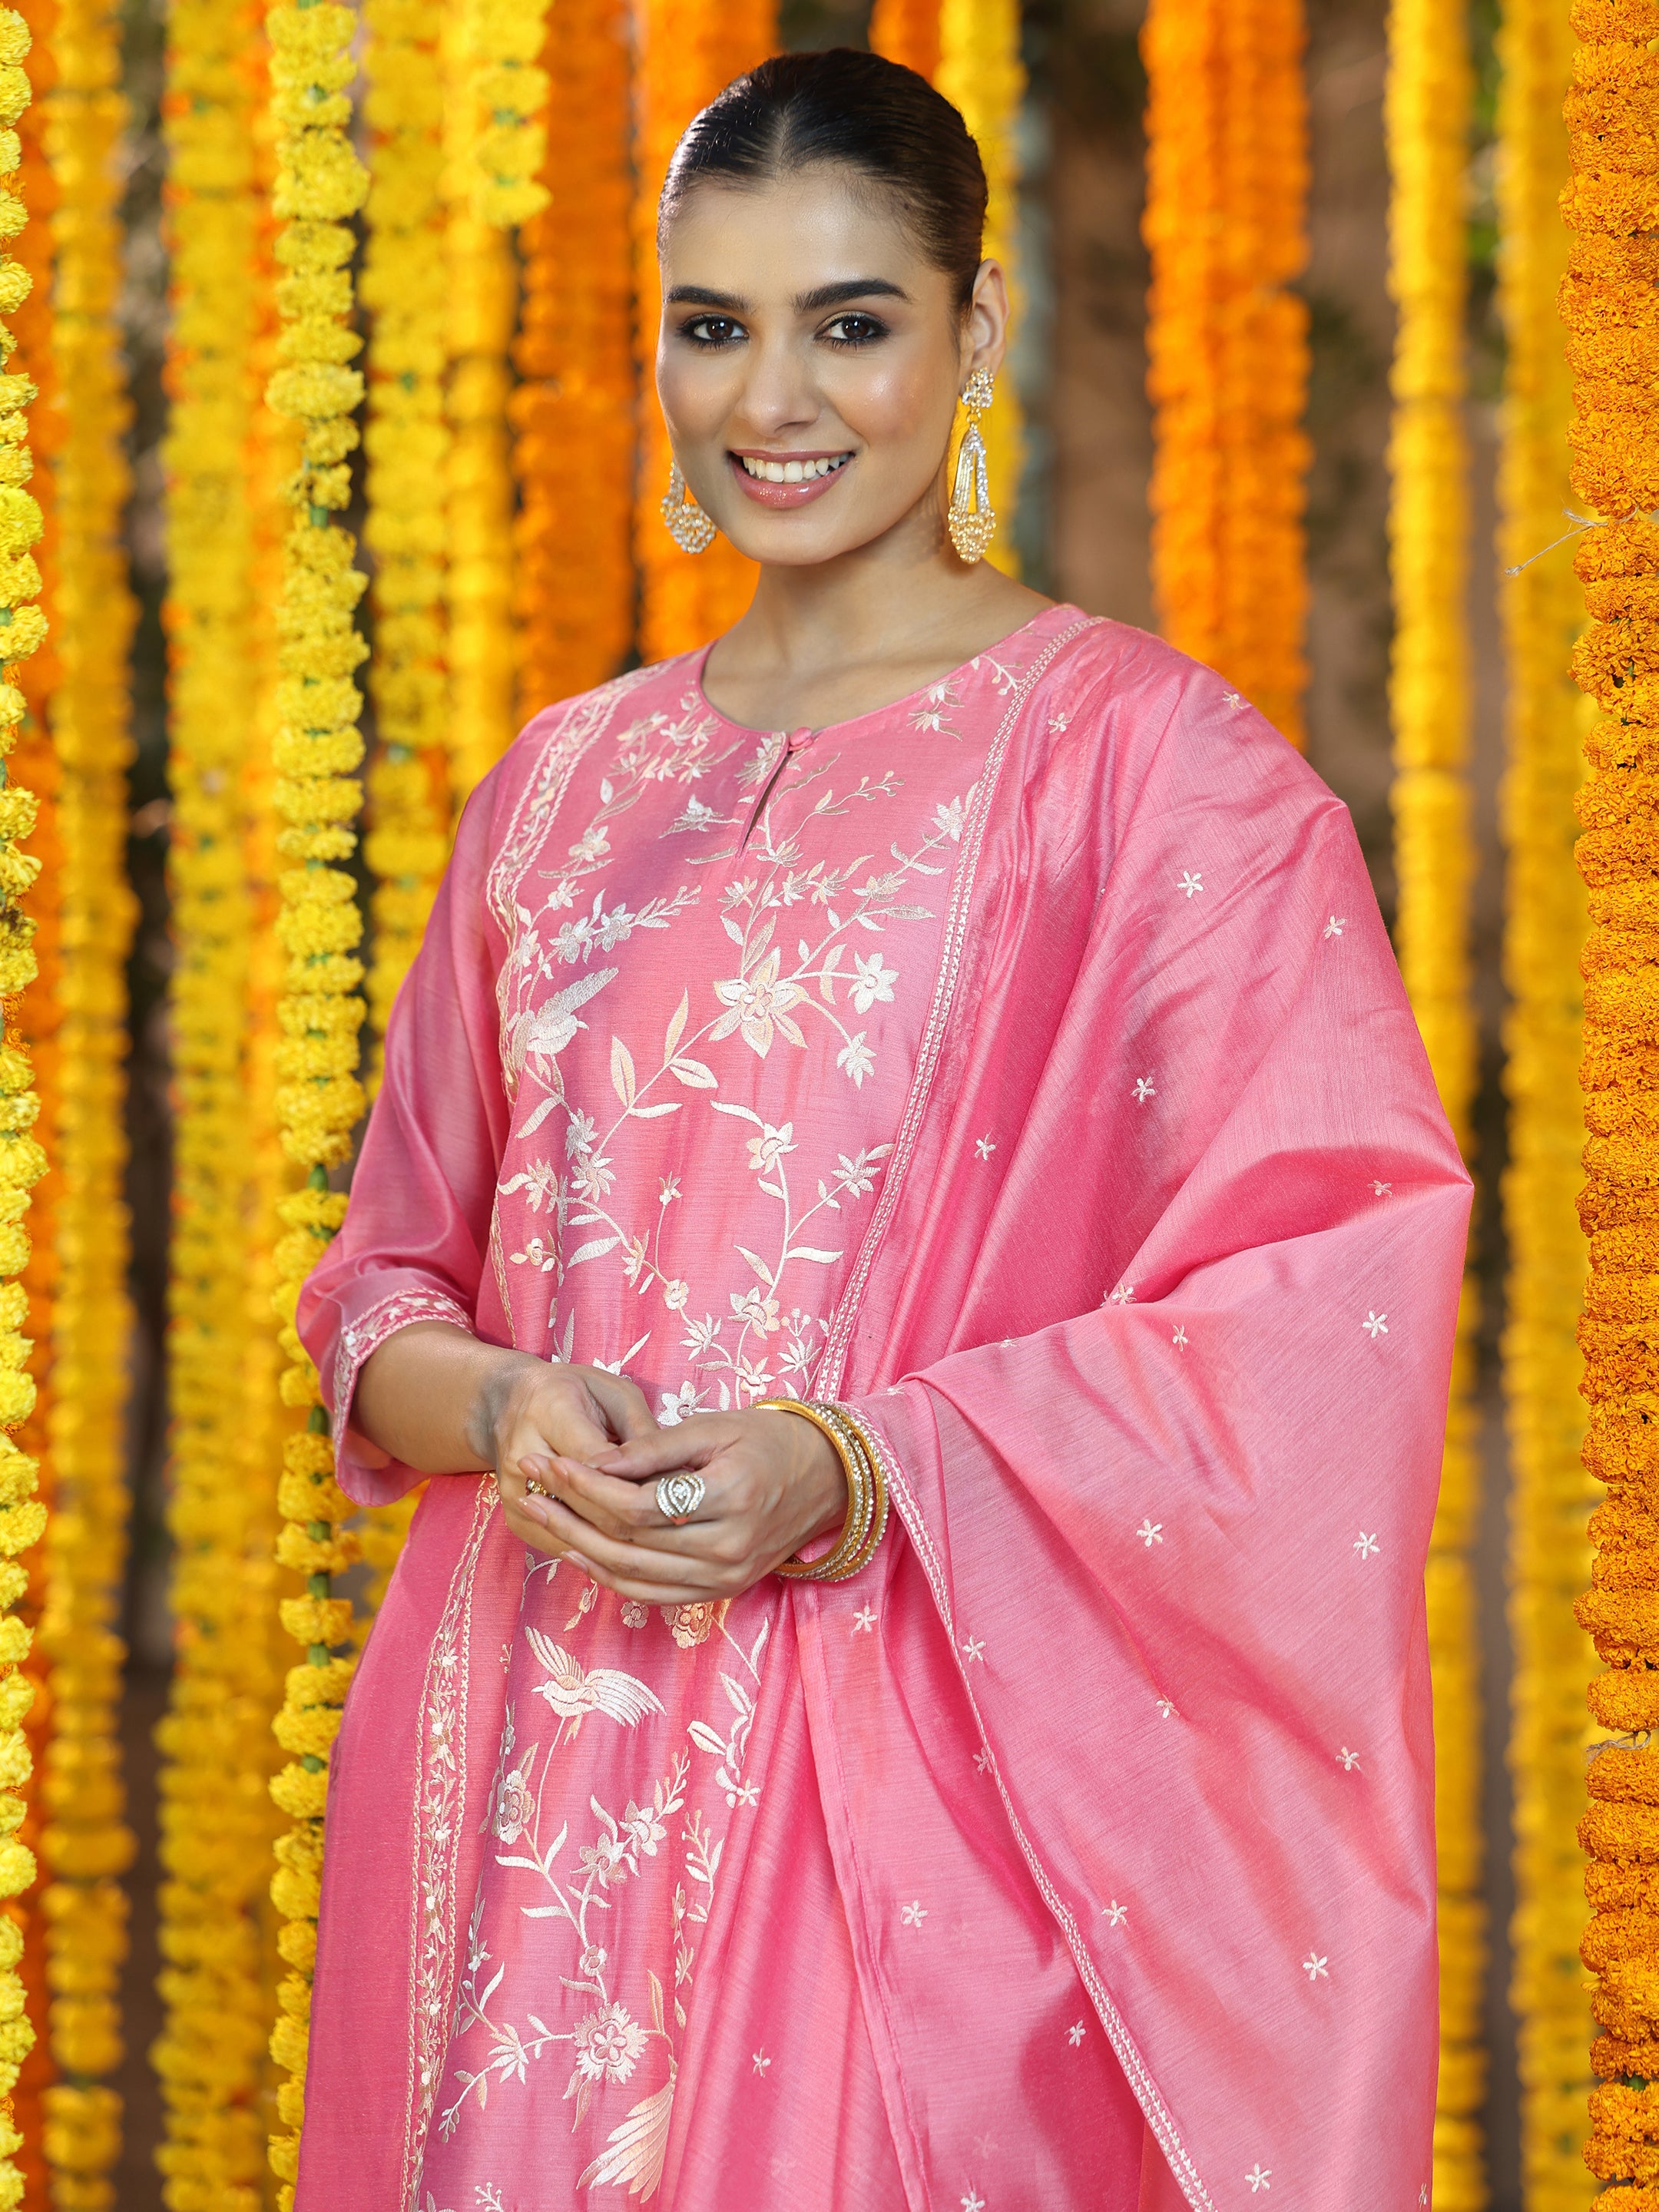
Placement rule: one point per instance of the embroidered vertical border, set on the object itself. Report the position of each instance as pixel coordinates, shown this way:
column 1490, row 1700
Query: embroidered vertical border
column 938, row 1017
column 439, row 1792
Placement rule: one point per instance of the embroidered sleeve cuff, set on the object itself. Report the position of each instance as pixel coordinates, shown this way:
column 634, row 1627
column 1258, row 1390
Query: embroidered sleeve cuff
column 361, row 1337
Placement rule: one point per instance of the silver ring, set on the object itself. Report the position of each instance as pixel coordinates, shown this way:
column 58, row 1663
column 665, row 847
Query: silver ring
column 679, row 1496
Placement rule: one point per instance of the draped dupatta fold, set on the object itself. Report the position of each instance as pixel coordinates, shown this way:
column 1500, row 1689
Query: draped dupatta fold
column 1151, row 1320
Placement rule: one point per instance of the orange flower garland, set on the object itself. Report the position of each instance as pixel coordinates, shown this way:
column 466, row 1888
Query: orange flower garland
column 690, row 50
column 573, row 410
column 907, row 31
column 1610, row 303
column 1227, row 343
column 1544, row 930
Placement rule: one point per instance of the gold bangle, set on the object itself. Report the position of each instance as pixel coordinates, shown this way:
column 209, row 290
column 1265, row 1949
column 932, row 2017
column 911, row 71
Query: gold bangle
column 879, row 1485
column 867, row 1492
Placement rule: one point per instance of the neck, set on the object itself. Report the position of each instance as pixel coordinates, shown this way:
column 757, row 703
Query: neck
column 883, row 601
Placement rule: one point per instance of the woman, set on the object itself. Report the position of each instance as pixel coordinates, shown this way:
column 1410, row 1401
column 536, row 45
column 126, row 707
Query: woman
column 968, row 1017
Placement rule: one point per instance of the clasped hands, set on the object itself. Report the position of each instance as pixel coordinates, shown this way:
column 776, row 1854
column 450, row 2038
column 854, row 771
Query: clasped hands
column 772, row 1483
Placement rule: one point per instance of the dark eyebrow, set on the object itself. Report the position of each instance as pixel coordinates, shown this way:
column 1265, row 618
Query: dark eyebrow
column 698, row 295
column 837, row 295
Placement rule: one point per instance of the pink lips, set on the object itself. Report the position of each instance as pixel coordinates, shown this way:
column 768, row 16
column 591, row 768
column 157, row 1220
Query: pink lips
column 783, row 495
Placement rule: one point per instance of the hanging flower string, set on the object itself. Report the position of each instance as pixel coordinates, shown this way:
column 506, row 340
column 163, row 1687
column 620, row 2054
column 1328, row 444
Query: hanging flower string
column 38, row 1015
column 1227, row 339
column 1426, row 108
column 215, row 1843
column 980, row 71
column 689, row 50
column 572, row 409
column 907, row 31
column 482, row 305
column 1612, row 209
column 1543, row 925
column 23, row 1160
column 87, row 1843
column 319, row 187
column 509, row 92
column 408, row 449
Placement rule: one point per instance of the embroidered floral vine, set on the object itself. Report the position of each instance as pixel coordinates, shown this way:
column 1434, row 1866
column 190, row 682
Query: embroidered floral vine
column 1609, row 304
column 319, row 187
column 86, row 1843
column 1544, row 928
column 1227, row 343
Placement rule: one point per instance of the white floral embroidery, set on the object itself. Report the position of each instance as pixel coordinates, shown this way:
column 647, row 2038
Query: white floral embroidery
column 1349, row 1760
column 1315, row 1968
column 1115, row 1913
column 1366, row 1546
column 1149, row 1533
column 913, row 1915
column 1375, row 1324
column 1257, row 2177
column 1145, row 1089
column 1192, row 881
column 1335, row 926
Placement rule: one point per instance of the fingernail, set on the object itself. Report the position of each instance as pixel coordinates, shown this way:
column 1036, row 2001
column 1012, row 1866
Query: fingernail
column 577, row 1560
column 536, row 1466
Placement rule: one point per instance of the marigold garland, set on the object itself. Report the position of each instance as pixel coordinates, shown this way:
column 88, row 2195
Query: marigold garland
column 689, row 50
column 509, row 91
column 87, row 1843
column 980, row 71
column 482, row 306
column 1426, row 110
column 1544, row 928
column 319, row 187
column 907, row 31
column 23, row 1160
column 573, row 410
column 1226, row 225
column 407, row 441
column 38, row 1018
column 1610, row 304
column 213, row 1842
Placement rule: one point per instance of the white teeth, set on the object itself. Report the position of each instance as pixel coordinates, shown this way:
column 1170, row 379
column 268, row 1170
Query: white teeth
column 792, row 472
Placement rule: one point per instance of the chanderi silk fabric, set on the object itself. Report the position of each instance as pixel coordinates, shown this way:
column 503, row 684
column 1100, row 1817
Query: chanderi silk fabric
column 1024, row 1063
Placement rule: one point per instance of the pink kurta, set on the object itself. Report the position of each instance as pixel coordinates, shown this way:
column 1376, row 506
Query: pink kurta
column 1033, row 1040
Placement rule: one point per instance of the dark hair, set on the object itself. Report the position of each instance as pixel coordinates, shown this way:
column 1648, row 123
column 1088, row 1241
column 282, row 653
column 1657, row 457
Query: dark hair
column 876, row 117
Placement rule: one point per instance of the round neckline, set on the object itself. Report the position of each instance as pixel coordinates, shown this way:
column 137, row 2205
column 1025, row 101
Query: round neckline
column 892, row 706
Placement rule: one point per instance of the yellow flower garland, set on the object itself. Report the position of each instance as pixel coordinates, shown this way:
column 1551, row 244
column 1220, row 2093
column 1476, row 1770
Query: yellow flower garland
column 573, row 412
column 1612, row 207
column 87, row 1843
column 319, row 187
column 980, row 71
column 22, row 1161
column 1426, row 111
column 482, row 305
column 408, row 447
column 509, row 89
column 687, row 53
column 214, row 1844
column 907, row 31
column 1544, row 928
column 1227, row 345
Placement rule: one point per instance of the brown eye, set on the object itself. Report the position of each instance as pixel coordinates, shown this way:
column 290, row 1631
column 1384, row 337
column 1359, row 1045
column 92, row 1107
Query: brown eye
column 854, row 330
column 712, row 330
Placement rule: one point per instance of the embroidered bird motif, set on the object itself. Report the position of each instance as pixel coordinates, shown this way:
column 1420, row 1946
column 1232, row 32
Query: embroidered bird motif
column 573, row 1693
column 545, row 1034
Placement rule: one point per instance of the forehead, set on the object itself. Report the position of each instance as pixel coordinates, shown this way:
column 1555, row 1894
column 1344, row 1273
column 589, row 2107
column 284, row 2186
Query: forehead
column 813, row 225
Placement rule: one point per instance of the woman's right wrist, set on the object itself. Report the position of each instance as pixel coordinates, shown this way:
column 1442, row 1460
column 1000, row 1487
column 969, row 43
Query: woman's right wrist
column 503, row 1376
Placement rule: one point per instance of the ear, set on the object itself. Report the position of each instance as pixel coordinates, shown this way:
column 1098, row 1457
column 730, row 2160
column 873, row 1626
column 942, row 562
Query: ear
column 985, row 326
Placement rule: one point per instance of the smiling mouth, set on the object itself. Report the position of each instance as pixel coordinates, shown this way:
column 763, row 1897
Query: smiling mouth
column 793, row 471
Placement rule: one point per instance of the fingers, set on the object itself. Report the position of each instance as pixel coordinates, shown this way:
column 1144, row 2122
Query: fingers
column 522, row 1520
column 623, row 1404
column 626, row 1510
column 650, row 1572
column 692, row 1444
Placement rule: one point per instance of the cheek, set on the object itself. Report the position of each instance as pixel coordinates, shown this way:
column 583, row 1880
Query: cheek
column 694, row 392
column 893, row 403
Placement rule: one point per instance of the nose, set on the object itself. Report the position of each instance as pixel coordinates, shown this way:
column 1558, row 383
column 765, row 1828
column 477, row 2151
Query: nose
column 779, row 392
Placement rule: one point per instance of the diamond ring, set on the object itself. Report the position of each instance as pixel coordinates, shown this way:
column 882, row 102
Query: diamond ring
column 534, row 1489
column 679, row 1496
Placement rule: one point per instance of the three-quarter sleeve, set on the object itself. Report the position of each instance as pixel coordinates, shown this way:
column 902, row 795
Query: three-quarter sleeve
column 416, row 1231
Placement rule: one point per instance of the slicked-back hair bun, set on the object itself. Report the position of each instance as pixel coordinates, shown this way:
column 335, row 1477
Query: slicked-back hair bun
column 861, row 112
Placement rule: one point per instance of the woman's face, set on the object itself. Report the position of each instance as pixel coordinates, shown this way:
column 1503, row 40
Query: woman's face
column 806, row 334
